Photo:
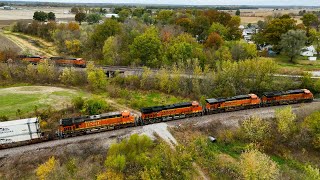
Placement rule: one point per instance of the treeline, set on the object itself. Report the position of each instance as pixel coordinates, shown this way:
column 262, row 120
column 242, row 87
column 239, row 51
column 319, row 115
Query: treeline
column 144, row 38
column 229, row 78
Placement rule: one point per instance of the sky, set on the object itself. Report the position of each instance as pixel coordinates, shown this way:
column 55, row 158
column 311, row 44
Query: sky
column 198, row 2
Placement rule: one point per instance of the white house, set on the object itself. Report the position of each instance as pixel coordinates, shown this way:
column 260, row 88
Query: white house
column 110, row 15
column 308, row 51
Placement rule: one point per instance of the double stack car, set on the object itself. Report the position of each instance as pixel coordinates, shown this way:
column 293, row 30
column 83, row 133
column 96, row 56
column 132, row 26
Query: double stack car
column 11, row 133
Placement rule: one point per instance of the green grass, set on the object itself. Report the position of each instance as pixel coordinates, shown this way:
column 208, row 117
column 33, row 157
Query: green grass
column 139, row 99
column 26, row 98
column 300, row 63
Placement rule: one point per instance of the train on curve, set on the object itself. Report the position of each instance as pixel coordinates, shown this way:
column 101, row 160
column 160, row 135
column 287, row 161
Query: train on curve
column 75, row 126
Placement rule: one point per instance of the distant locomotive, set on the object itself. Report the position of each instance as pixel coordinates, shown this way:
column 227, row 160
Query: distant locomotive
column 108, row 121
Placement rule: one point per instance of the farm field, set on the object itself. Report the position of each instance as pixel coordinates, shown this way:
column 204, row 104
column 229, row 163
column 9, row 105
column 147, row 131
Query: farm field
column 27, row 12
column 8, row 44
column 27, row 98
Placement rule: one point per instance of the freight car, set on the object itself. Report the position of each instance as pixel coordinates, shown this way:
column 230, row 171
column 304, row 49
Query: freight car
column 170, row 112
column 232, row 103
column 286, row 97
column 82, row 125
column 20, row 132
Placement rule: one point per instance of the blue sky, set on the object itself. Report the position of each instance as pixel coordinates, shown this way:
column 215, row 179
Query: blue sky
column 200, row 2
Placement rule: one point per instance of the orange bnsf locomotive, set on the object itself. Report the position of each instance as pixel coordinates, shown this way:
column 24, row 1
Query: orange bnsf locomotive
column 81, row 125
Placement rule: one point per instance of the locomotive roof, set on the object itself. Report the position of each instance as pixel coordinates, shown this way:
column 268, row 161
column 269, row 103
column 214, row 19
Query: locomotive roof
column 281, row 93
column 165, row 107
column 218, row 100
column 77, row 120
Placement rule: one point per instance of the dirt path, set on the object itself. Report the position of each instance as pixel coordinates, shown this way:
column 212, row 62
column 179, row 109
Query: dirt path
column 27, row 45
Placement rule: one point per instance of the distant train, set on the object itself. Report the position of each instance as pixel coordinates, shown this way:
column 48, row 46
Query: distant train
column 59, row 61
column 75, row 126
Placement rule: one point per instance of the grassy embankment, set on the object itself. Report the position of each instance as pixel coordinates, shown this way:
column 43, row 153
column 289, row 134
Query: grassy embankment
column 16, row 102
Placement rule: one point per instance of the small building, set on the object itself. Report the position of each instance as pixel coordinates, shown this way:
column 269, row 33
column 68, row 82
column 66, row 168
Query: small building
column 308, row 51
column 8, row 8
column 112, row 15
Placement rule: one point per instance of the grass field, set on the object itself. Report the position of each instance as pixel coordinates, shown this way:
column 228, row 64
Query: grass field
column 139, row 99
column 300, row 64
column 27, row 98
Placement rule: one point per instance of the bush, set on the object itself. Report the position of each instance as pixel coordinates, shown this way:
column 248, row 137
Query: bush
column 255, row 129
column 256, row 165
column 78, row 103
column 95, row 106
column 97, row 79
column 4, row 118
column 312, row 123
column 286, row 121
column 46, row 168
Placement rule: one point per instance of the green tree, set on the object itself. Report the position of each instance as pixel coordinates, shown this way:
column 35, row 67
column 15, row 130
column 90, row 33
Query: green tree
column 256, row 165
column 80, row 17
column 238, row 12
column 292, row 42
column 315, row 39
column 308, row 20
column 101, row 33
column 124, row 14
column 111, row 51
column 146, row 48
column 165, row 16
column 275, row 28
column 220, row 29
column 93, row 18
column 286, row 123
column 40, row 16
column 97, row 79
column 312, row 123
column 51, row 16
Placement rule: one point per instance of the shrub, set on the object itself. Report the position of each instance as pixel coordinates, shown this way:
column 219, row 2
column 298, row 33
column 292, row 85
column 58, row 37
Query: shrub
column 78, row 103
column 255, row 129
column 311, row 172
column 286, row 121
column 95, row 106
column 256, row 165
column 97, row 79
column 312, row 123
column 4, row 118
column 46, row 168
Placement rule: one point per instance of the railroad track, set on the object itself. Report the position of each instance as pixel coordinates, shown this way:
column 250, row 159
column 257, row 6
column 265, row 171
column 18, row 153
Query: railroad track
column 229, row 118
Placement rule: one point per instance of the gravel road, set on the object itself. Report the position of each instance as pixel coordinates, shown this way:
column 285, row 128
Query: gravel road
column 109, row 137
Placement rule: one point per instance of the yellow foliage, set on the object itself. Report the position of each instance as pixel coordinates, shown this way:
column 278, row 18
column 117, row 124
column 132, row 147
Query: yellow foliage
column 110, row 175
column 285, row 121
column 73, row 26
column 256, row 165
column 73, row 46
column 46, row 168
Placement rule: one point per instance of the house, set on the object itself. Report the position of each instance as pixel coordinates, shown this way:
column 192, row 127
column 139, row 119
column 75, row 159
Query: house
column 247, row 34
column 8, row 8
column 308, row 51
column 112, row 15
